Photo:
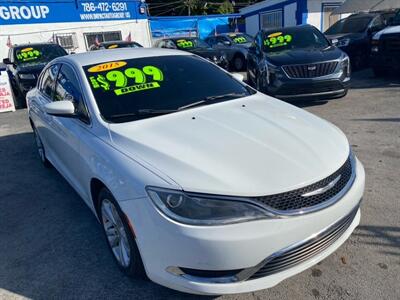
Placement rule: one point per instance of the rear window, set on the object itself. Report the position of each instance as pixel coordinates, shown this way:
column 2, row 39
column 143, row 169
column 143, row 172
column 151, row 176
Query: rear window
column 36, row 54
column 122, row 89
column 350, row 25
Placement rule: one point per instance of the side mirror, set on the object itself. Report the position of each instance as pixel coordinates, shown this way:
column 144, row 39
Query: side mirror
column 7, row 61
column 238, row 76
column 60, row 109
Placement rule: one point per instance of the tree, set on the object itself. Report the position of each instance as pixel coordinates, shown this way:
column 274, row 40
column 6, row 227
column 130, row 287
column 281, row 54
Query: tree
column 226, row 8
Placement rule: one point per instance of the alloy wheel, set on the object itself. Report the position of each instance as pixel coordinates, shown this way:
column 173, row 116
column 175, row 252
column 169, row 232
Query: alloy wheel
column 116, row 233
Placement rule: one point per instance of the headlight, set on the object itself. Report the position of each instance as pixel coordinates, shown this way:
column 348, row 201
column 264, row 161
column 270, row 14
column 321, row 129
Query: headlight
column 375, row 45
column 26, row 76
column 345, row 65
column 203, row 210
column 343, row 43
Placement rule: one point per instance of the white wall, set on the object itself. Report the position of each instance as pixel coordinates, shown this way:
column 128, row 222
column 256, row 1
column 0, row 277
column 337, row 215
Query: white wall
column 43, row 32
column 252, row 24
column 315, row 11
column 290, row 14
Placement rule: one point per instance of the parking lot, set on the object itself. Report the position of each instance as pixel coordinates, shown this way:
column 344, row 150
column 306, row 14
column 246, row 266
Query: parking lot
column 51, row 245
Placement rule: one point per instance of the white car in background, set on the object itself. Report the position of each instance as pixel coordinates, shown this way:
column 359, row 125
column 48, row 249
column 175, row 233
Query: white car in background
column 200, row 182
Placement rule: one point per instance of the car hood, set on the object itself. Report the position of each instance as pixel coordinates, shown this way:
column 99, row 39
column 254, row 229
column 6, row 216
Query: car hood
column 31, row 68
column 387, row 30
column 304, row 56
column 251, row 146
column 206, row 52
column 353, row 36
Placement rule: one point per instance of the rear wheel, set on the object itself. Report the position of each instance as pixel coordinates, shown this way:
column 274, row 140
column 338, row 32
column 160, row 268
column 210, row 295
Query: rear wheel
column 40, row 148
column 119, row 236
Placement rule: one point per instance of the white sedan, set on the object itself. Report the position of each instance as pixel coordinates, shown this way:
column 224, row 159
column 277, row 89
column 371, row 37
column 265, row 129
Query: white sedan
column 201, row 183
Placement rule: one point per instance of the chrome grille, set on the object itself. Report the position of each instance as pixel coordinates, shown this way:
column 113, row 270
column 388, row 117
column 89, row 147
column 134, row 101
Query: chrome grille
column 300, row 253
column 310, row 70
column 294, row 200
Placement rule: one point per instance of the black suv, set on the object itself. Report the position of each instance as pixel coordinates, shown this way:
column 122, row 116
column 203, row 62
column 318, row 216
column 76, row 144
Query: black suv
column 297, row 63
column 353, row 35
column 115, row 45
column 385, row 51
column 195, row 46
column 24, row 64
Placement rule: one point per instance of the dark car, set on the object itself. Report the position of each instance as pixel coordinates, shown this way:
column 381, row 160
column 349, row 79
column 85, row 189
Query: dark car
column 297, row 63
column 353, row 35
column 196, row 46
column 24, row 64
column 115, row 45
column 235, row 45
column 385, row 51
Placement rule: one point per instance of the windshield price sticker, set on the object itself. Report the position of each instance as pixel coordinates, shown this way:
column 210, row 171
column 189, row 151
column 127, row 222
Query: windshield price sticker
column 184, row 44
column 240, row 40
column 277, row 40
column 107, row 78
column 28, row 54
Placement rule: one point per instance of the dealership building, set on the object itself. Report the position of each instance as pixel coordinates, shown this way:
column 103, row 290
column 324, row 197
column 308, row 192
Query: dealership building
column 278, row 13
column 74, row 24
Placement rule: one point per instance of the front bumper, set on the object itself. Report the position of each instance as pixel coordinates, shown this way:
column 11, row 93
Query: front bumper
column 164, row 243
column 316, row 88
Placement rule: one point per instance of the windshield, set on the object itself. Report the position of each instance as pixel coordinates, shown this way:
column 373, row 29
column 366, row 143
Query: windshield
column 240, row 38
column 396, row 20
column 293, row 38
column 37, row 54
column 190, row 43
column 139, row 88
column 350, row 25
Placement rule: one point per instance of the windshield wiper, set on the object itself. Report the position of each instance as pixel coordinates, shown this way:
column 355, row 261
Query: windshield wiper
column 209, row 99
column 143, row 112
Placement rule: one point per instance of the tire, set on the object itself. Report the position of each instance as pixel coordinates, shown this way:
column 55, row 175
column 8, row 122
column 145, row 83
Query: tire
column 40, row 148
column 119, row 236
column 238, row 62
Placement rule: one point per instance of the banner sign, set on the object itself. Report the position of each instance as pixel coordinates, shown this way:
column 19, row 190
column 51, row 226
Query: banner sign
column 24, row 12
column 6, row 95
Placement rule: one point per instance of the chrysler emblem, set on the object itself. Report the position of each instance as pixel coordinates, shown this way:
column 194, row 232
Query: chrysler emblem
column 311, row 68
column 323, row 189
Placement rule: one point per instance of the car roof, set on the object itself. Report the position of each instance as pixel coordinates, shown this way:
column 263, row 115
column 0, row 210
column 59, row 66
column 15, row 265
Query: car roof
column 288, row 28
column 34, row 44
column 102, row 56
column 364, row 14
column 117, row 42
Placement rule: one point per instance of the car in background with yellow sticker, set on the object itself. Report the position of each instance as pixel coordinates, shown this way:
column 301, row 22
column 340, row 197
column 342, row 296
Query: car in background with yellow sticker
column 24, row 64
column 199, row 182
column 297, row 63
column 235, row 45
column 115, row 45
column 195, row 46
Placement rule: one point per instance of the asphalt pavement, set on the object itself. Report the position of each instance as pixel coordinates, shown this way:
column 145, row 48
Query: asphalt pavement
column 52, row 247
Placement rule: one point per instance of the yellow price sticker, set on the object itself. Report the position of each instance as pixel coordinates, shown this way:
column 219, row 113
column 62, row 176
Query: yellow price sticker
column 107, row 66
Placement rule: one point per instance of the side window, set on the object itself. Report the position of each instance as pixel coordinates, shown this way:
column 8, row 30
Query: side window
column 170, row 44
column 67, row 88
column 377, row 23
column 48, row 80
column 211, row 41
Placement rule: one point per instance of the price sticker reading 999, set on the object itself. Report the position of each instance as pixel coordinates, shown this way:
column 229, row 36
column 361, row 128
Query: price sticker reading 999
column 240, row 40
column 28, row 54
column 114, row 77
column 184, row 44
column 277, row 39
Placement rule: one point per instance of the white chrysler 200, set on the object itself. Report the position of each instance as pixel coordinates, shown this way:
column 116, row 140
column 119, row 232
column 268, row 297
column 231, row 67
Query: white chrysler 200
column 200, row 182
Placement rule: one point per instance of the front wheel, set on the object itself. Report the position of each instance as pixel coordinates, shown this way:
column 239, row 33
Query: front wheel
column 119, row 236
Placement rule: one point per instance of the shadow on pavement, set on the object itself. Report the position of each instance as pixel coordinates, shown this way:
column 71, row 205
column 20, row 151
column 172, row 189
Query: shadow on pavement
column 52, row 246
column 385, row 237
column 365, row 79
